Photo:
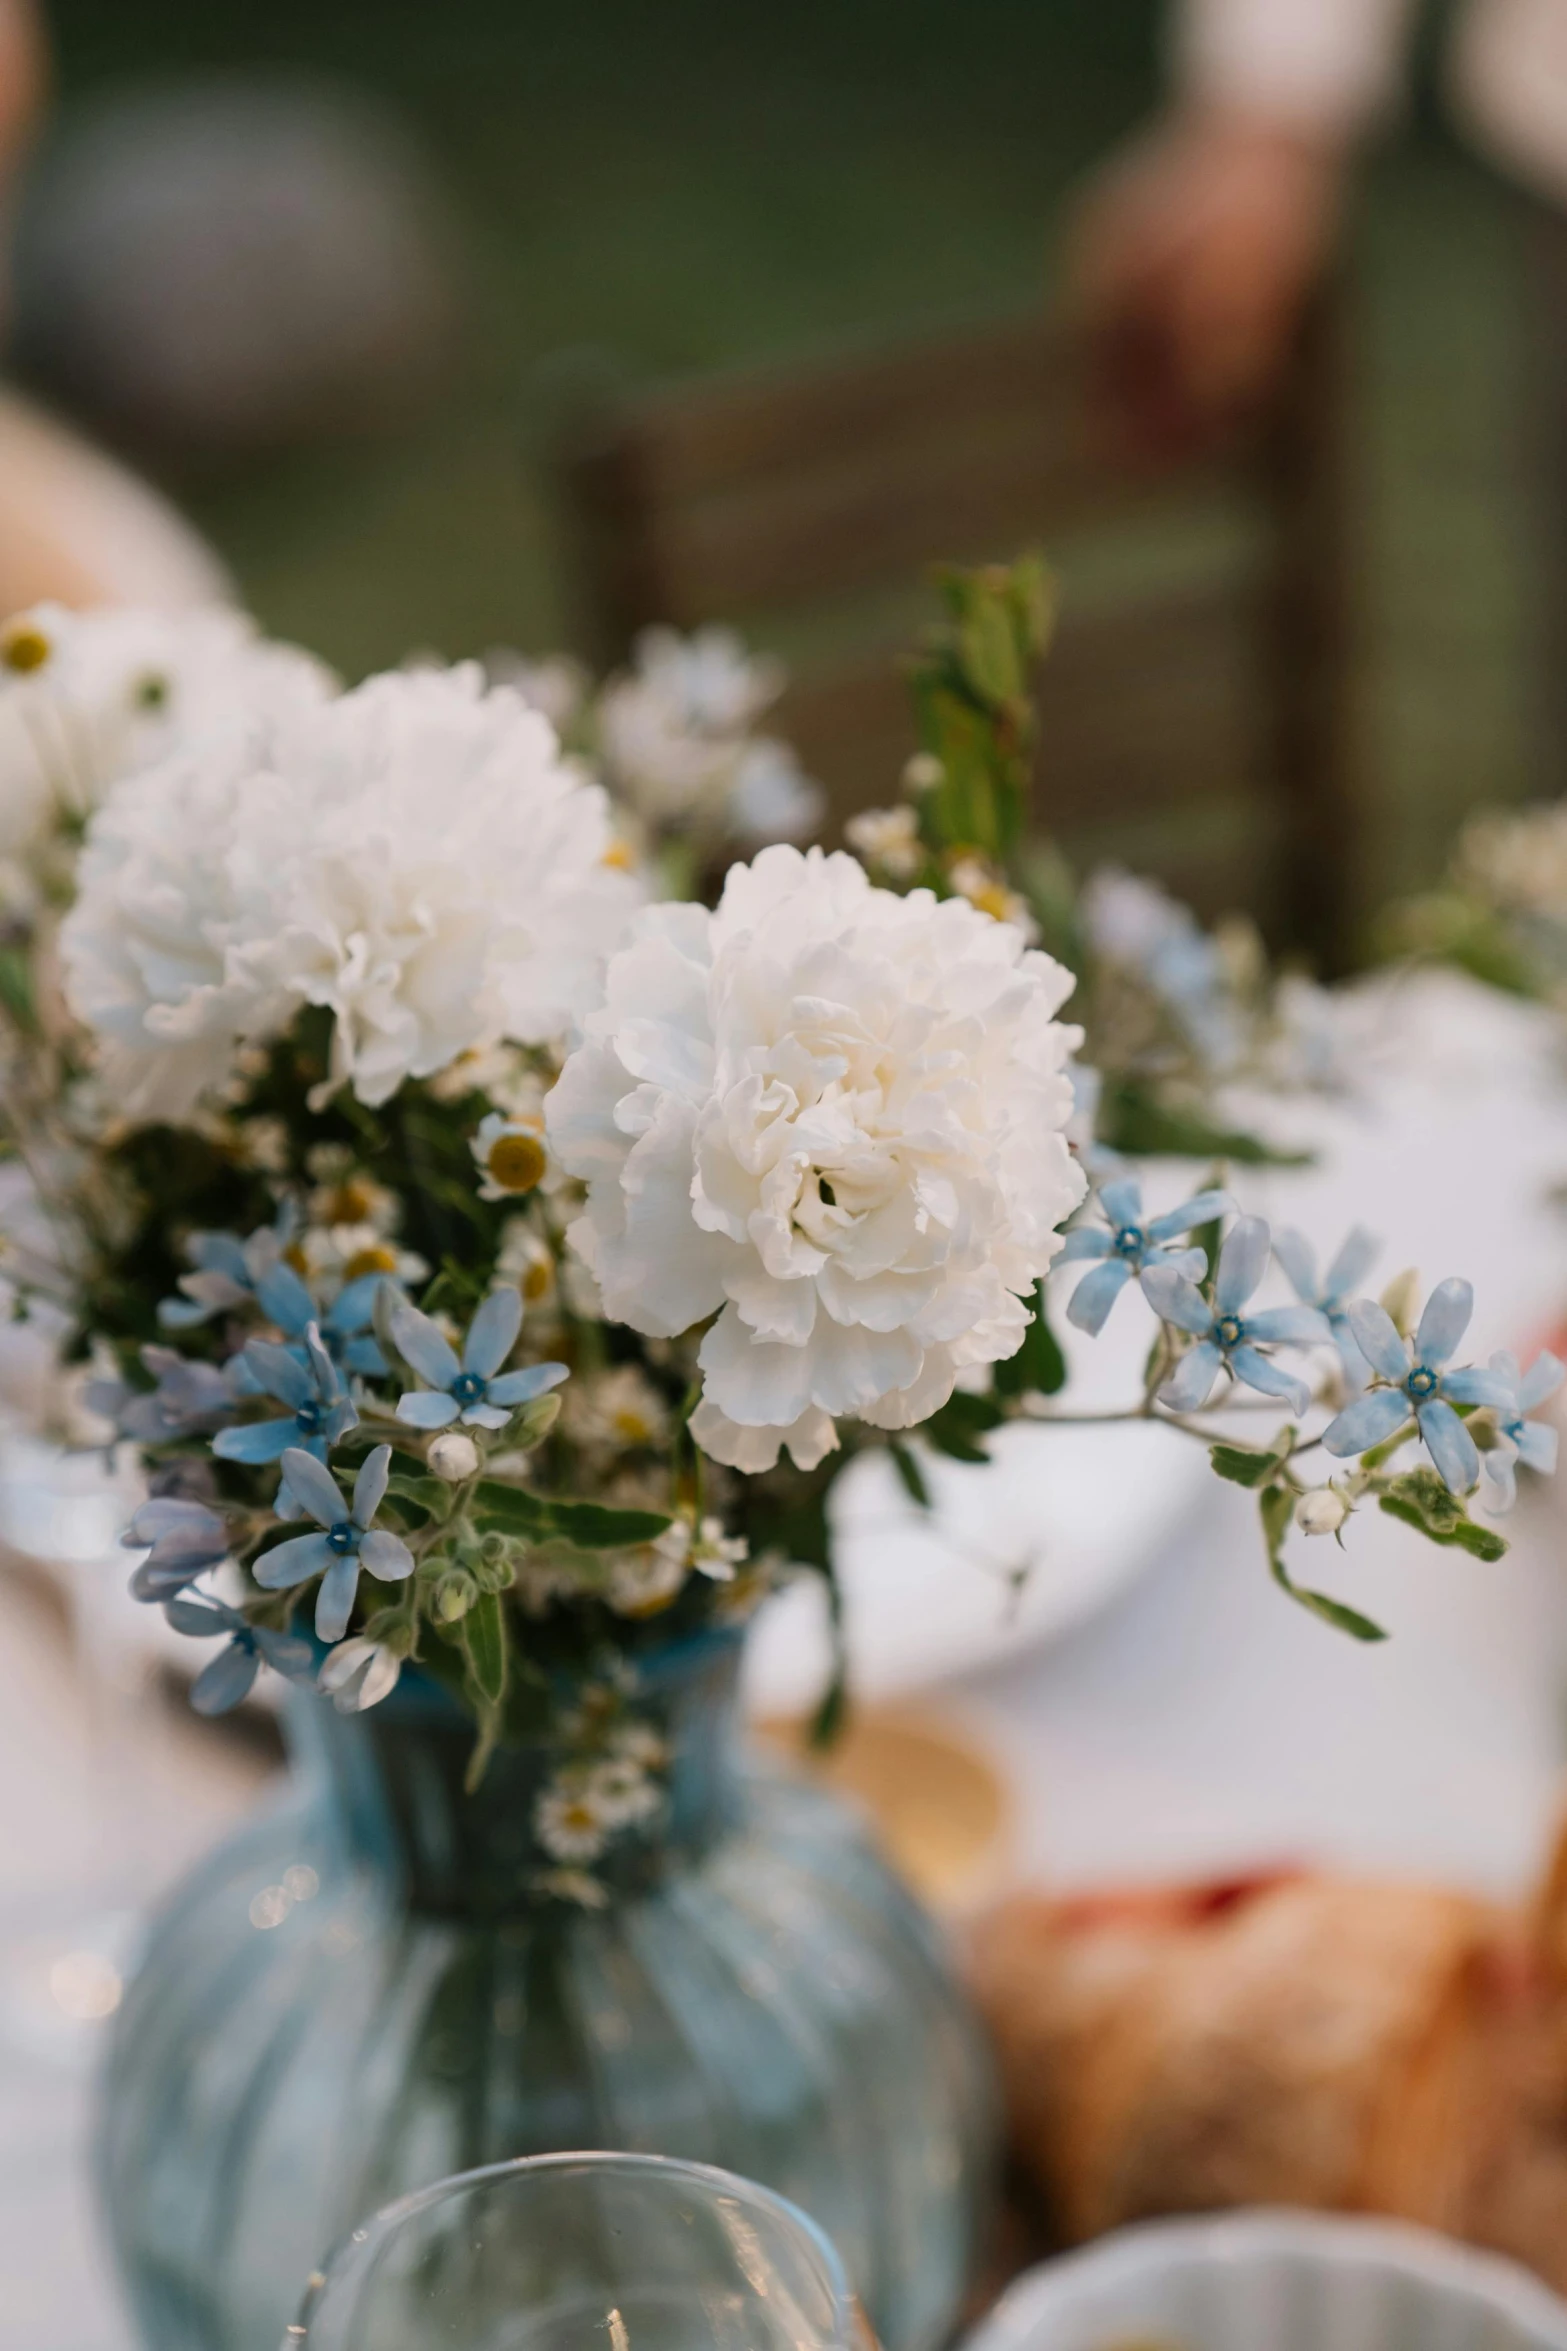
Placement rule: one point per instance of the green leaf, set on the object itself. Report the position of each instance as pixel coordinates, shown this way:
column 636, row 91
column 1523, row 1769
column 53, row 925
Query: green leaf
column 1423, row 1502
column 484, row 1641
column 1277, row 1504
column 960, row 1426
column 1136, row 1119
column 1241, row 1465
column 912, row 1475
column 1038, row 1367
column 431, row 1496
column 988, row 649
column 592, row 1526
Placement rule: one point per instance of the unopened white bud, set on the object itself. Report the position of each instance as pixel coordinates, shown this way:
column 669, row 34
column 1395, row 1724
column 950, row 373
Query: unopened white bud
column 1321, row 1512
column 453, row 1455
column 1399, row 1300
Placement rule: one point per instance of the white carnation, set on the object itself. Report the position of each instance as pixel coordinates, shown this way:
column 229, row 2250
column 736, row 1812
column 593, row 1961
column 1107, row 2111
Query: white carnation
column 89, row 698
column 416, row 857
column 834, row 1118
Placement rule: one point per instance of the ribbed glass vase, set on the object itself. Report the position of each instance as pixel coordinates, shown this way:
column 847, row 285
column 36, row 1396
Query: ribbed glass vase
column 360, row 1993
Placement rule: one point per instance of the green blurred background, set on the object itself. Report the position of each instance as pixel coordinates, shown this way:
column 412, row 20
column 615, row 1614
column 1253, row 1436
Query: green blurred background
column 664, row 188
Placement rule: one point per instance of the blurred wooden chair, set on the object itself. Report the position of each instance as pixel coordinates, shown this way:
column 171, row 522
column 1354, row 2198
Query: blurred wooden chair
column 1193, row 704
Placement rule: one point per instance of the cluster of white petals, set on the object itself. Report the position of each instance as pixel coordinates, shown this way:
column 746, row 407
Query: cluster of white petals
column 676, row 735
column 832, row 1118
column 415, row 856
column 88, row 698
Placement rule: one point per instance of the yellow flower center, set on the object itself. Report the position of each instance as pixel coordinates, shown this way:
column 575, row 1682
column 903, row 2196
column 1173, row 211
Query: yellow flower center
column 618, row 855
column 996, row 900
column 24, row 648
column 516, row 1161
column 632, row 1428
column 295, row 1256
column 376, row 1259
column 349, row 1203
column 536, row 1281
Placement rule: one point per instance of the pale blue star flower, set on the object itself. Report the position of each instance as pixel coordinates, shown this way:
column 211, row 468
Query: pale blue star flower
column 1518, row 1438
column 182, row 1539
column 349, row 1539
column 229, row 1272
column 228, row 1677
column 1418, row 1385
column 1331, row 1294
column 344, row 1327
column 469, row 1390
column 190, row 1399
column 318, row 1412
column 1228, row 1339
column 1127, row 1245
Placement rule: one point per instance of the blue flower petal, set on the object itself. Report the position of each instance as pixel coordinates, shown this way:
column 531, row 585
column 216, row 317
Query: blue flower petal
column 492, row 1334
column 335, row 1600
column 315, row 1487
column 159, row 1579
column 286, row 1653
column 427, row 1408
column 1502, row 1480
column 220, row 1253
column 422, row 1347
column 283, row 1299
column 535, row 1379
column 1269, row 1379
column 1537, row 1446
column 1201, row 1208
column 183, row 1314
column 364, row 1356
column 1191, row 1383
column 1356, row 1256
column 1176, row 1299
column 1543, row 1377
column 1299, row 1260
column 280, row 1372
column 221, row 1684
column 1449, row 1443
column 354, row 1304
column 258, row 1440
column 1243, row 1260
column 485, row 1416
column 1369, row 1421
column 1096, row 1293
column 1123, row 1200
column 386, row 1555
column 1376, row 1335
column 1291, row 1326
column 1086, row 1240
column 1472, row 1385
column 200, row 1617
column 1445, row 1320
column 370, row 1485
column 293, row 1562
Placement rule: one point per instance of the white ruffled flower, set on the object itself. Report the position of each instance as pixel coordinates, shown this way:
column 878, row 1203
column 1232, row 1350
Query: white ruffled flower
column 89, row 698
column 415, row 857
column 834, row 1118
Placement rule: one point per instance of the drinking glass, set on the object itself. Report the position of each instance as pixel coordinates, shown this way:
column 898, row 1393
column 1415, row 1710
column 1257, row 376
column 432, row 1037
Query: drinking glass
column 590, row 2252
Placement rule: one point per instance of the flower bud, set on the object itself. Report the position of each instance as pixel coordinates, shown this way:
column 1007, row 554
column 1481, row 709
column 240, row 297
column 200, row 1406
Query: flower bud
column 455, row 1594
column 1321, row 1512
column 1399, row 1300
column 496, row 1571
column 453, row 1455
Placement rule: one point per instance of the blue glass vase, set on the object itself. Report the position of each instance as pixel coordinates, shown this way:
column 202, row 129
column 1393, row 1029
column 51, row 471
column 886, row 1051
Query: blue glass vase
column 362, row 1992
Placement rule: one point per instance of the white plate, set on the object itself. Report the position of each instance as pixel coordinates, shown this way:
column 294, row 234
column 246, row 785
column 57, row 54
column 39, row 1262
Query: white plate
column 1275, row 2281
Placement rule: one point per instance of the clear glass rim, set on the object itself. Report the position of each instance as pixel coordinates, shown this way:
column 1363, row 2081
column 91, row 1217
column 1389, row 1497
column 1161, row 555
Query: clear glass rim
column 360, row 2244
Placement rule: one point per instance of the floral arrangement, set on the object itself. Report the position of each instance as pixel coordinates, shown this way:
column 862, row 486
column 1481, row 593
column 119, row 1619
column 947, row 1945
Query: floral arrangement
column 500, row 1262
